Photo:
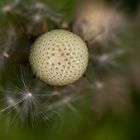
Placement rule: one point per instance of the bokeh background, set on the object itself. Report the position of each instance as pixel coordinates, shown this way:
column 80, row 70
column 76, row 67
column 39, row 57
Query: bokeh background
column 104, row 104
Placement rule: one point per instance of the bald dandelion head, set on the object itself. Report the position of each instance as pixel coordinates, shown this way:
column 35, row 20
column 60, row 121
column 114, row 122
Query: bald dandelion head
column 59, row 57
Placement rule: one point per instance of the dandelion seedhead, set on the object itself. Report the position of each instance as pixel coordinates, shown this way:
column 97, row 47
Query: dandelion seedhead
column 59, row 57
column 92, row 57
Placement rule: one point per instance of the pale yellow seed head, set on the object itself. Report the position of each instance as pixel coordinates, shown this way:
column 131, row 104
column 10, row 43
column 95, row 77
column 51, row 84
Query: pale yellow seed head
column 59, row 57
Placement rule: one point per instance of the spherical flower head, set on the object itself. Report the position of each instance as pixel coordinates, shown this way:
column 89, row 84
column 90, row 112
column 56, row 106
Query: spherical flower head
column 59, row 57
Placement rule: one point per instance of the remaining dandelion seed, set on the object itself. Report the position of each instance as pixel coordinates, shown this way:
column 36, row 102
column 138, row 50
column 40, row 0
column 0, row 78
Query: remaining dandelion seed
column 39, row 5
column 7, row 8
column 59, row 57
column 97, row 22
column 5, row 54
column 37, row 18
column 10, row 6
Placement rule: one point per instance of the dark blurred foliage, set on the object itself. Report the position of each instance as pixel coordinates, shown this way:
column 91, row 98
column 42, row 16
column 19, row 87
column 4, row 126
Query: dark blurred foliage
column 104, row 104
